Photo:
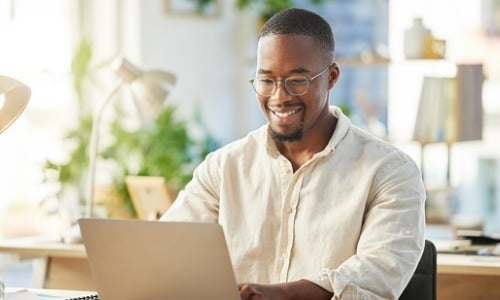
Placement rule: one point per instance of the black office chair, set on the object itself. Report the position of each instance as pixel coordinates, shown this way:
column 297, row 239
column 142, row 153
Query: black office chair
column 422, row 285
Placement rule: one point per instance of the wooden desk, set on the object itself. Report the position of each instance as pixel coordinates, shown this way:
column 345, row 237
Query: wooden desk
column 468, row 277
column 66, row 265
column 459, row 276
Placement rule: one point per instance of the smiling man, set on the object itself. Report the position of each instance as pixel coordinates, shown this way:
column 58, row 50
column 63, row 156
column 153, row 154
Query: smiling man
column 294, row 76
column 312, row 206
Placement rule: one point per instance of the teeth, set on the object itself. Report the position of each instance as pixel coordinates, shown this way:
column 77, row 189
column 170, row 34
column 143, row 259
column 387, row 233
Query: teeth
column 285, row 114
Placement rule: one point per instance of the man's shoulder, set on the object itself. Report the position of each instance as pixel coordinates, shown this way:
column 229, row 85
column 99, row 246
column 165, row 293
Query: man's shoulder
column 377, row 145
column 353, row 137
column 379, row 154
column 247, row 145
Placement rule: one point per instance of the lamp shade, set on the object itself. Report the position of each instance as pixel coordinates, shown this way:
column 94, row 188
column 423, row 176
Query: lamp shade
column 147, row 86
column 14, row 97
column 450, row 109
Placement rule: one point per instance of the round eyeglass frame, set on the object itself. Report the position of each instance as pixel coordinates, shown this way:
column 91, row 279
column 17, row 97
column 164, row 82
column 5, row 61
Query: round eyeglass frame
column 285, row 80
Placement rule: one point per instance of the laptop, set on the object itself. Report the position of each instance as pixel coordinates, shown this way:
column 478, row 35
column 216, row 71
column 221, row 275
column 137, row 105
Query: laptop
column 155, row 260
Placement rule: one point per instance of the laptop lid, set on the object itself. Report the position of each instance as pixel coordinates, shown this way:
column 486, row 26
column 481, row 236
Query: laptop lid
column 155, row 260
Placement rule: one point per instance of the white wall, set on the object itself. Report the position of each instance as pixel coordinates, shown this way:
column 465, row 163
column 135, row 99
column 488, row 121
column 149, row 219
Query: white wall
column 211, row 57
column 35, row 49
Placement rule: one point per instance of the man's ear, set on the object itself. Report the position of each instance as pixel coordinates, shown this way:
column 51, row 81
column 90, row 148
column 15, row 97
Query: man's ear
column 333, row 75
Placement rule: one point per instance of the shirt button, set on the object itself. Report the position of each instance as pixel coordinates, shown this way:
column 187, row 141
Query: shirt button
column 284, row 256
column 289, row 210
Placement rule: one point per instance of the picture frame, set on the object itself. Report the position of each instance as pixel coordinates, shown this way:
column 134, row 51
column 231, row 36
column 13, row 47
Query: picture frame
column 149, row 195
column 200, row 8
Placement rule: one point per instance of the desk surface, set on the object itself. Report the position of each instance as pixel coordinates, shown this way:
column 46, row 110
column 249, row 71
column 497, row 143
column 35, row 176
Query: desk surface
column 447, row 263
column 37, row 249
column 468, row 264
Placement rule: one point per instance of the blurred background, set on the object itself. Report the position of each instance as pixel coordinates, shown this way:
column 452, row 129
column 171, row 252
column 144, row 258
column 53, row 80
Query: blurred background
column 65, row 49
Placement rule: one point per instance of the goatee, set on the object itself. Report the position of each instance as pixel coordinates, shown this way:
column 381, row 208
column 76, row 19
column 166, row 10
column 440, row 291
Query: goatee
column 294, row 137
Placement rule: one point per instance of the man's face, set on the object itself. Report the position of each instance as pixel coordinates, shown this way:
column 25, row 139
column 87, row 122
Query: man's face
column 284, row 56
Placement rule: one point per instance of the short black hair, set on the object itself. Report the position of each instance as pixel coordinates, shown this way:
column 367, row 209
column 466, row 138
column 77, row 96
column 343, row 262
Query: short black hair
column 301, row 22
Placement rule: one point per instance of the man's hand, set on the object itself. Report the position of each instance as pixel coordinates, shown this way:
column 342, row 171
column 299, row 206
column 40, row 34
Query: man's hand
column 250, row 291
column 301, row 289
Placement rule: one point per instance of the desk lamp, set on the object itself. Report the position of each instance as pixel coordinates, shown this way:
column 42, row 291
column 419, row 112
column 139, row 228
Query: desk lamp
column 14, row 97
column 450, row 110
column 149, row 94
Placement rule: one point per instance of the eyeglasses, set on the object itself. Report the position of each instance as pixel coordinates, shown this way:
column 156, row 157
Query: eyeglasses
column 295, row 85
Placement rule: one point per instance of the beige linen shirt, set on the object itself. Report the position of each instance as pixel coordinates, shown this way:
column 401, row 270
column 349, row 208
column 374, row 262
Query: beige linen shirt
column 351, row 219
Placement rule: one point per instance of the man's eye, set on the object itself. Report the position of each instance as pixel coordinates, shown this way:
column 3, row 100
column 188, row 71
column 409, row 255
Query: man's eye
column 296, row 81
column 266, row 81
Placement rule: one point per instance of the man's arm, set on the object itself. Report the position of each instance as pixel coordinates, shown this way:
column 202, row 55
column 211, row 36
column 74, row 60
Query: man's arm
column 296, row 290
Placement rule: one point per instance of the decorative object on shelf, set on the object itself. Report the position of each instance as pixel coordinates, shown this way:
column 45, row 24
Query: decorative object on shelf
column 434, row 48
column 414, row 39
column 14, row 97
column 419, row 42
column 149, row 92
column 203, row 8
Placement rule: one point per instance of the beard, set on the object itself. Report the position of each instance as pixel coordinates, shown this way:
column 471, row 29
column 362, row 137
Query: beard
column 292, row 137
column 286, row 134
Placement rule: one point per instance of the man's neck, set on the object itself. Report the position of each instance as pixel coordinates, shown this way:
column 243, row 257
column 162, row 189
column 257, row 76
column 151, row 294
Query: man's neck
column 312, row 142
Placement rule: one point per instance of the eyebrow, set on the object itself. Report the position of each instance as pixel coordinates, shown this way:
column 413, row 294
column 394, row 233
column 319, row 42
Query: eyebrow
column 293, row 71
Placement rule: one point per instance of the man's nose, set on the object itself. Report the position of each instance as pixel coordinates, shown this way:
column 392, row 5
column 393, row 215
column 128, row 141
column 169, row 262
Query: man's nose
column 281, row 94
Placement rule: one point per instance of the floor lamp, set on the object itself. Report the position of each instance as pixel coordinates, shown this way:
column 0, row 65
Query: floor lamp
column 14, row 97
column 149, row 93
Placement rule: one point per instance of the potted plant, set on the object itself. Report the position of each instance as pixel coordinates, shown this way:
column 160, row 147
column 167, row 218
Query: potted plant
column 165, row 147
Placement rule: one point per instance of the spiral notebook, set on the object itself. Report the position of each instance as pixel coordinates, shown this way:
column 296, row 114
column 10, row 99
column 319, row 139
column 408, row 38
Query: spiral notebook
column 26, row 294
column 86, row 297
column 156, row 260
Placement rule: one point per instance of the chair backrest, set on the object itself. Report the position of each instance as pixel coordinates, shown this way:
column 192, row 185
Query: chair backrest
column 422, row 285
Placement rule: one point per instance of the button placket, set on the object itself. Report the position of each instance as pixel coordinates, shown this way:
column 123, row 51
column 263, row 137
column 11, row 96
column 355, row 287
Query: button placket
column 289, row 216
column 286, row 183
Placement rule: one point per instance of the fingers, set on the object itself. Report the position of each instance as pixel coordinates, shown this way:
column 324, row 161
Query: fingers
column 249, row 292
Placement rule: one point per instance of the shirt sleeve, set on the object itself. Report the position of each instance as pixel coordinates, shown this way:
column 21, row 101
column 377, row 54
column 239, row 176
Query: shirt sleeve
column 199, row 201
column 391, row 241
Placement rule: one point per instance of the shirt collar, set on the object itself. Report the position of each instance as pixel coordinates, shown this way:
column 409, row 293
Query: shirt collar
column 343, row 125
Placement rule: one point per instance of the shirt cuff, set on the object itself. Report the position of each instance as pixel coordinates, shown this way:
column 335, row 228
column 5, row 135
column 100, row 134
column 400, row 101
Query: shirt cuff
column 321, row 280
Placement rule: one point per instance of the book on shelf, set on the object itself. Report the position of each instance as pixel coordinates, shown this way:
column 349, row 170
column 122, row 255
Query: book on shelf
column 470, row 78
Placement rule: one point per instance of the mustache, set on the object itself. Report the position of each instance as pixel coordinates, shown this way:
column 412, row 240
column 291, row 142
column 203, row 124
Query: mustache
column 286, row 104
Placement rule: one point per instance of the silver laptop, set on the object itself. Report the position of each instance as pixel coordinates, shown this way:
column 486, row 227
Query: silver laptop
column 154, row 260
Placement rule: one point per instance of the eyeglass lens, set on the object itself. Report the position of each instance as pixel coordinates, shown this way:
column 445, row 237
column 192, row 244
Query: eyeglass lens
column 293, row 85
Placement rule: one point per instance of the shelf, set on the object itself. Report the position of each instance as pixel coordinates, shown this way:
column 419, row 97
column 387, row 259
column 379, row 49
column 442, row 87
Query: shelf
column 362, row 61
